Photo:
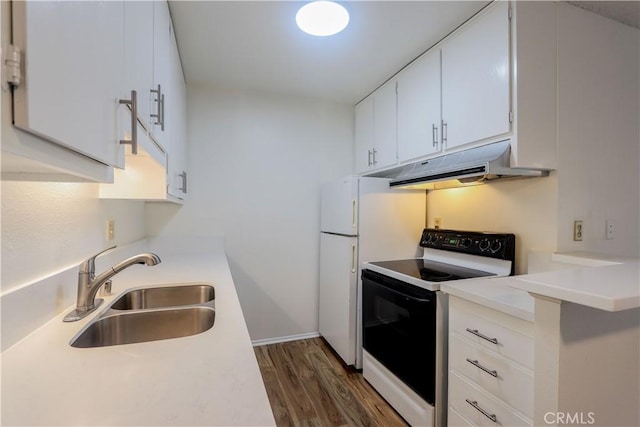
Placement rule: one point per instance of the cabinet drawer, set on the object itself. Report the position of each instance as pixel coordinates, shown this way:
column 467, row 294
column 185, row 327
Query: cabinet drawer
column 479, row 407
column 506, row 335
column 454, row 419
column 505, row 379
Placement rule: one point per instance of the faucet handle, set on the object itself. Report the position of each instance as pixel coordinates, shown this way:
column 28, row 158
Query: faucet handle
column 88, row 265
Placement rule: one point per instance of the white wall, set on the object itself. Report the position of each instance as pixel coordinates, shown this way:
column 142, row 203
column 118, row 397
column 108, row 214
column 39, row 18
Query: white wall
column 256, row 162
column 525, row 207
column 599, row 132
column 48, row 226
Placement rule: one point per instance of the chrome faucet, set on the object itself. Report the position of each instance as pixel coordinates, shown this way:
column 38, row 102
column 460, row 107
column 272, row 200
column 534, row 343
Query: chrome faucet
column 89, row 283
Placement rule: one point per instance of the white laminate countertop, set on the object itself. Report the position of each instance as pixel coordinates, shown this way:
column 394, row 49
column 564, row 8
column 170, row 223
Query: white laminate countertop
column 495, row 293
column 607, row 285
column 208, row 379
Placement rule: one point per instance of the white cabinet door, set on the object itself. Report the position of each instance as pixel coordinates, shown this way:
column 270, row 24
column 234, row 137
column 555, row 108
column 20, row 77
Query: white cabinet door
column 364, row 135
column 337, row 295
column 138, row 55
column 162, row 46
column 476, row 79
column 175, row 125
column 385, row 127
column 73, row 74
column 419, row 108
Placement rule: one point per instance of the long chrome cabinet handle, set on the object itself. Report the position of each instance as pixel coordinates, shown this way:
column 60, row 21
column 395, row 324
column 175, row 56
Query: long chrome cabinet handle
column 484, row 337
column 474, row 403
column 369, row 159
column 162, row 112
column 183, row 175
column 445, row 133
column 375, row 162
column 477, row 364
column 158, row 98
column 435, row 135
column 133, row 103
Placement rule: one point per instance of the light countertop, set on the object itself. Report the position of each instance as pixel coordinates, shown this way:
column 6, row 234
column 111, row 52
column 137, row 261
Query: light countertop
column 495, row 293
column 207, row 379
column 598, row 283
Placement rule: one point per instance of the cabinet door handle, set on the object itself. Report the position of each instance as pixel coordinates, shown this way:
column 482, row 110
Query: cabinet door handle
column 162, row 112
column 369, row 158
column 474, row 403
column 375, row 162
column 183, row 175
column 445, row 132
column 484, row 337
column 158, row 115
column 133, row 103
column 435, row 135
column 477, row 364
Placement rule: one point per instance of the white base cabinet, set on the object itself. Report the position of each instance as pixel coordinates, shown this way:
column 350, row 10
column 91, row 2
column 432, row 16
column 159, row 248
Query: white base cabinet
column 491, row 363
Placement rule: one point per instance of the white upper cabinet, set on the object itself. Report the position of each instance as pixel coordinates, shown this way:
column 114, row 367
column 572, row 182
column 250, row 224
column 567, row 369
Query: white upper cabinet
column 385, row 135
column 476, row 97
column 376, row 130
column 364, row 134
column 138, row 55
column 72, row 75
column 162, row 69
column 419, row 108
column 494, row 78
column 176, row 112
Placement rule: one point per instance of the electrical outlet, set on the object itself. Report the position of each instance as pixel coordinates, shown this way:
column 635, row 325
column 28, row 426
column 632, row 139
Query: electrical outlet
column 577, row 231
column 437, row 222
column 610, row 232
column 111, row 230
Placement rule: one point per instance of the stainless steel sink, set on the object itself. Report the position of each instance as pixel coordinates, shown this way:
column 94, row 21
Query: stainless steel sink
column 143, row 326
column 159, row 297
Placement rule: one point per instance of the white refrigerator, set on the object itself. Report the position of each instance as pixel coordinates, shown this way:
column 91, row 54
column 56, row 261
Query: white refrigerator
column 361, row 219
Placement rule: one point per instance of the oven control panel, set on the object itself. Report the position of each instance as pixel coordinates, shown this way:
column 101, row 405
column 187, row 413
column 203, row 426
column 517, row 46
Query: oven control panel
column 492, row 245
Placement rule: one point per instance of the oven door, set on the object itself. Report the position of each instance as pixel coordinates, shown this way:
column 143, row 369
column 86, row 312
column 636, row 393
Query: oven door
column 399, row 330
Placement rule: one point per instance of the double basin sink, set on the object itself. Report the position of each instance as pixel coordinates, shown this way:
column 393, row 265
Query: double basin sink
column 151, row 314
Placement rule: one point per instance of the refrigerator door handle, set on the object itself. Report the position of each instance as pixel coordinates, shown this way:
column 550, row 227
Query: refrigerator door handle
column 353, row 213
column 353, row 258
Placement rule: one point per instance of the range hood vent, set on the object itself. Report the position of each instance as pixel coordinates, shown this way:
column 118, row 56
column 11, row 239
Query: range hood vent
column 469, row 167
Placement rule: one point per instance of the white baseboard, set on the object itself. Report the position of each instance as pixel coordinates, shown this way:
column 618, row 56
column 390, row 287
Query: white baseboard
column 267, row 341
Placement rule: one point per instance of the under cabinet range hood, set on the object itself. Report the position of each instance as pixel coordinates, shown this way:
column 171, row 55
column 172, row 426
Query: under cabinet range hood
column 469, row 167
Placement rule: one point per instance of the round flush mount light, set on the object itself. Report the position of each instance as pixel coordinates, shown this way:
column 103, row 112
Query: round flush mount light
column 322, row 18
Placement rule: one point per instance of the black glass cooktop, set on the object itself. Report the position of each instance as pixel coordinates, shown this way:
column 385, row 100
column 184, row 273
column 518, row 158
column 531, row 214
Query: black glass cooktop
column 430, row 271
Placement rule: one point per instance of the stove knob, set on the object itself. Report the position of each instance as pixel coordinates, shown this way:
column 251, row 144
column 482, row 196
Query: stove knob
column 496, row 246
column 484, row 245
column 465, row 243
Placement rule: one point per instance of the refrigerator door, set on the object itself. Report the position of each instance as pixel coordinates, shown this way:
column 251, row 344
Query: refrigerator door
column 339, row 206
column 338, row 286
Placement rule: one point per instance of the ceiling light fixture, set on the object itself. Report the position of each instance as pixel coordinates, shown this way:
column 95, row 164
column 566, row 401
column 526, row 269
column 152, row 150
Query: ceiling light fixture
column 322, row 18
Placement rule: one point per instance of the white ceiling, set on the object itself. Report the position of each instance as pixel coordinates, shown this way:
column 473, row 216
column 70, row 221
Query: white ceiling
column 255, row 45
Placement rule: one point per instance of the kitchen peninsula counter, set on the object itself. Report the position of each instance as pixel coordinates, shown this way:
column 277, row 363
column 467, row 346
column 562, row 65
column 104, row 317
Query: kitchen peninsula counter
column 207, row 379
column 605, row 284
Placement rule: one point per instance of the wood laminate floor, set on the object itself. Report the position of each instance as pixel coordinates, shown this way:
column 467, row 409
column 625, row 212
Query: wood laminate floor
column 308, row 385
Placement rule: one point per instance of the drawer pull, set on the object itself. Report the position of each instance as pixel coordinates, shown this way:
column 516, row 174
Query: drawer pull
column 484, row 337
column 487, row 370
column 474, row 403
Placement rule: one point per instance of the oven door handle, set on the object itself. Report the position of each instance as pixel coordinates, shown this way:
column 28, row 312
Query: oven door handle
column 403, row 295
